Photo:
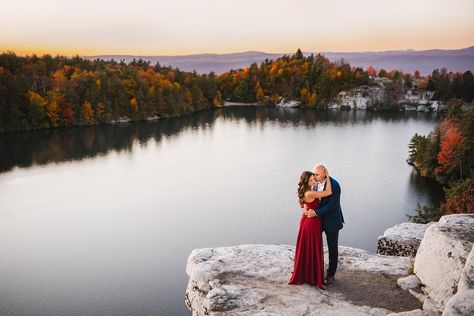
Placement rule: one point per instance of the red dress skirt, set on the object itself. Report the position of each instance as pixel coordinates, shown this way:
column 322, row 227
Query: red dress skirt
column 309, row 257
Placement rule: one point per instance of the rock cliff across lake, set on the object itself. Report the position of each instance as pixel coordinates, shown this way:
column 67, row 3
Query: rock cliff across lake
column 253, row 279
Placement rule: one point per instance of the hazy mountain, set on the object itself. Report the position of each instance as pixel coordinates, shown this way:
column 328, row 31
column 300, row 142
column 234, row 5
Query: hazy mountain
column 406, row 60
column 409, row 60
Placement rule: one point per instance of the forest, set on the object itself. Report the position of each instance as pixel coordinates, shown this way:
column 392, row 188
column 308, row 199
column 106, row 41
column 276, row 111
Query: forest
column 446, row 155
column 48, row 92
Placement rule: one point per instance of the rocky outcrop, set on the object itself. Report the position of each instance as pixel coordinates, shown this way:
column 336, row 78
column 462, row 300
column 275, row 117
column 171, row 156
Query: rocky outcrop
column 442, row 256
column 410, row 282
column 229, row 103
column 463, row 302
column 288, row 103
column 253, row 280
column 401, row 240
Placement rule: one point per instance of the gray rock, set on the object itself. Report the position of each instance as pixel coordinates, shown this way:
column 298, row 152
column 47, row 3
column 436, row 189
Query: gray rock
column 461, row 304
column 410, row 282
column 401, row 240
column 466, row 281
column 441, row 257
column 253, row 280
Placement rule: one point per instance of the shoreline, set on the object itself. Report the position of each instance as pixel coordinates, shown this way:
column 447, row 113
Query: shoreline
column 154, row 119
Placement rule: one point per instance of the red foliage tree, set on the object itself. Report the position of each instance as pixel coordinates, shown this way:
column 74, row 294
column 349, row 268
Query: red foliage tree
column 461, row 203
column 371, row 71
column 450, row 153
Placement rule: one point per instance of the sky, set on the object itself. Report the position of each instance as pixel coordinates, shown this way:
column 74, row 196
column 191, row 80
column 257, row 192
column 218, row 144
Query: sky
column 183, row 27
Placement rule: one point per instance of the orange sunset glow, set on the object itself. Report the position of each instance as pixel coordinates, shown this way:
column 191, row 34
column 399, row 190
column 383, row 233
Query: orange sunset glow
column 146, row 27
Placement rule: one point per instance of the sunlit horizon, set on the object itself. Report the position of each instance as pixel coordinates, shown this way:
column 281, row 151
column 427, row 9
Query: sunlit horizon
column 41, row 52
column 185, row 27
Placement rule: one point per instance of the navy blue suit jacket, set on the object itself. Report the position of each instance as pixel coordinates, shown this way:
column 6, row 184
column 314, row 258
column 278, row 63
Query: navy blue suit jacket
column 330, row 209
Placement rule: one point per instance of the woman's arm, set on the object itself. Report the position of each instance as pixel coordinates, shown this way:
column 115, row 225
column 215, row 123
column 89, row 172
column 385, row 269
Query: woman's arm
column 311, row 195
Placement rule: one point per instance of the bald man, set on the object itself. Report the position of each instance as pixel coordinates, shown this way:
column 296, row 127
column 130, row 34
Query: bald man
column 331, row 214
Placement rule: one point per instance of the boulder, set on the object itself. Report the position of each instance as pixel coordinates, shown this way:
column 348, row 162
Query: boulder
column 463, row 302
column 401, row 240
column 441, row 257
column 466, row 281
column 253, row 280
column 410, row 282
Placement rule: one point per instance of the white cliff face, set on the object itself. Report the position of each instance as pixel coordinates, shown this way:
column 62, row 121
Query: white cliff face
column 466, row 281
column 288, row 104
column 442, row 256
column 253, row 280
column 463, row 302
column 401, row 240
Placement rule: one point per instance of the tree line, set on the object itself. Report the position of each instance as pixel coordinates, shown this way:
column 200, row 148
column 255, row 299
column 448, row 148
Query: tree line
column 449, row 85
column 44, row 92
column 446, row 155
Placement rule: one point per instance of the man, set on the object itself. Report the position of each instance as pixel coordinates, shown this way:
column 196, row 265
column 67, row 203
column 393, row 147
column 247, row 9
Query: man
column 331, row 214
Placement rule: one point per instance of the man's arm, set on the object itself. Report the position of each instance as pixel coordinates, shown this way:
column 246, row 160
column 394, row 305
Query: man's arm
column 332, row 203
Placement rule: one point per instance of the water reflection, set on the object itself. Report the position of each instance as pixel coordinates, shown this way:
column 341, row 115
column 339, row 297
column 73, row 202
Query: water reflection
column 25, row 149
column 110, row 232
column 430, row 189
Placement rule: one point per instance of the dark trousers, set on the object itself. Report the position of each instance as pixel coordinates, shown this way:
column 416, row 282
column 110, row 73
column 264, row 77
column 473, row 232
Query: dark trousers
column 331, row 239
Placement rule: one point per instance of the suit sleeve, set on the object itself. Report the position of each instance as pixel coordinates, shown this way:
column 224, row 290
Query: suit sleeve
column 332, row 203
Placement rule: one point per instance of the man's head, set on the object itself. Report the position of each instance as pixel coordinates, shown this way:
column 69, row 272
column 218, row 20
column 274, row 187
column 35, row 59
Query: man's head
column 319, row 173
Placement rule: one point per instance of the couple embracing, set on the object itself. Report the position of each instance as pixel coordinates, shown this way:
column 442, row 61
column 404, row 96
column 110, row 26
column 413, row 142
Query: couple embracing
column 319, row 196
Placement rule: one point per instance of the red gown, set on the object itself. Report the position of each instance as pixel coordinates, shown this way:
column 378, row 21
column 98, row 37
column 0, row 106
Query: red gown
column 309, row 257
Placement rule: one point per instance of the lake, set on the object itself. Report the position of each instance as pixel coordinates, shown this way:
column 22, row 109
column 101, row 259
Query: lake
column 101, row 220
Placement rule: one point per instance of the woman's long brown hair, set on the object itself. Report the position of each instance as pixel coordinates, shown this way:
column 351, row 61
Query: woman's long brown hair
column 303, row 186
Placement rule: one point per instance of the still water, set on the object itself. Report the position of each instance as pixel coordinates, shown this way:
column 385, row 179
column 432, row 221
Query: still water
column 101, row 220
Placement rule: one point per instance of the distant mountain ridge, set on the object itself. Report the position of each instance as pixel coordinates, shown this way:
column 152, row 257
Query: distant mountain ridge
column 457, row 60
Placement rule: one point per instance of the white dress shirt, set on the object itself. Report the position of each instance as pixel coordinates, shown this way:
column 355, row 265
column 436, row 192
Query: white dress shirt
column 320, row 186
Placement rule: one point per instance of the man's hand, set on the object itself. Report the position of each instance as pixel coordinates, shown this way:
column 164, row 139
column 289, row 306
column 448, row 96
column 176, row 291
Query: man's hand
column 305, row 210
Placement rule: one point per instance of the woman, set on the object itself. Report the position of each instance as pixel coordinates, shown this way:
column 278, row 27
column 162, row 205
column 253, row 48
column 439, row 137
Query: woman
column 309, row 257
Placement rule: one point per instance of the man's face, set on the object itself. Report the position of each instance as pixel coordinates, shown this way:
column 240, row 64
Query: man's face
column 320, row 174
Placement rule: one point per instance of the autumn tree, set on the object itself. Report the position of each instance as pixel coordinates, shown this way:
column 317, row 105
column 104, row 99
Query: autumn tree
column 36, row 113
column 217, row 102
column 259, row 96
column 52, row 109
column 312, row 101
column 371, row 71
column 134, row 104
column 451, row 151
column 87, row 112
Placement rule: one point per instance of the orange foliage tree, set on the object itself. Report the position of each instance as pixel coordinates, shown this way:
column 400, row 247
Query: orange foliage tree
column 88, row 112
column 259, row 96
column 134, row 104
column 451, row 149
